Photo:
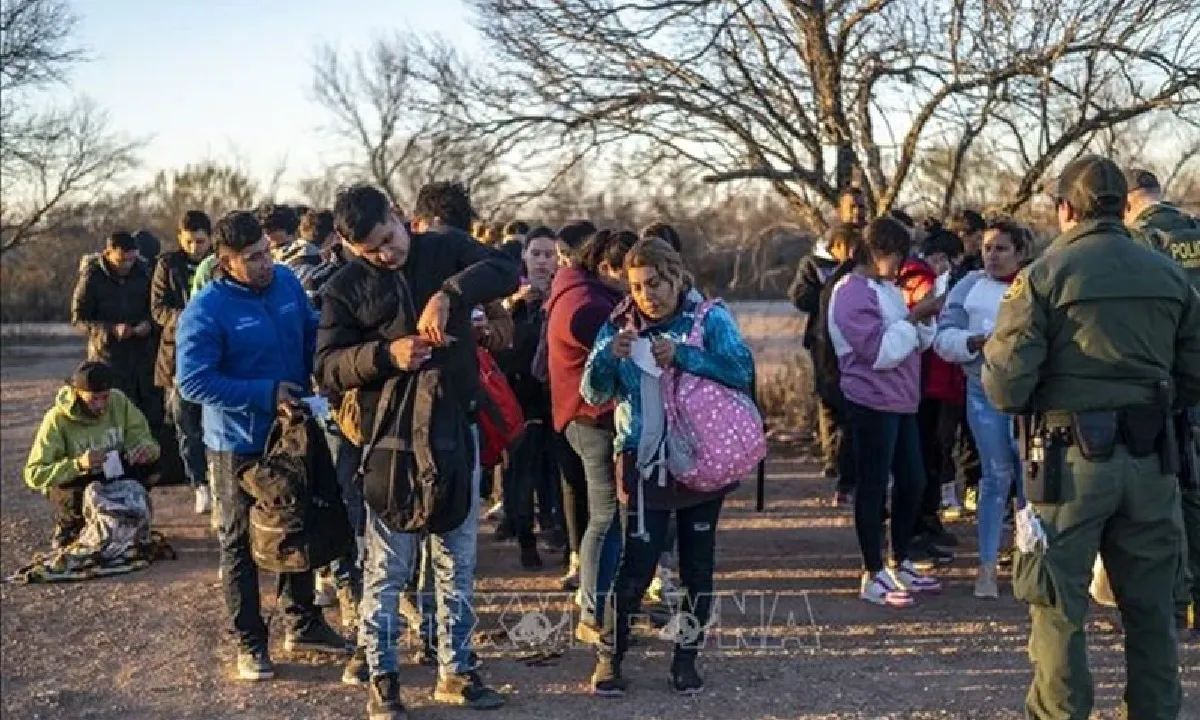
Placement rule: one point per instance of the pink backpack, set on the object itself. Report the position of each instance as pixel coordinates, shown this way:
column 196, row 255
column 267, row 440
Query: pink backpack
column 714, row 433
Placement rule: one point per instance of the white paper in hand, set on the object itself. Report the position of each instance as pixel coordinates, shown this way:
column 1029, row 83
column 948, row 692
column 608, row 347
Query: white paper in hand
column 113, row 468
column 1029, row 534
column 318, row 406
column 643, row 357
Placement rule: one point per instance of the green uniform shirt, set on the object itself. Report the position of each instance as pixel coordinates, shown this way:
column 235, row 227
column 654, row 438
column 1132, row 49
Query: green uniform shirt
column 1094, row 324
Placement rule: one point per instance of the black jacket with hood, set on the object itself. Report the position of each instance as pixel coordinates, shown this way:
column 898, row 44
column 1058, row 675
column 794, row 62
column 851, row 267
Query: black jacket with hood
column 169, row 292
column 811, row 277
column 362, row 311
column 103, row 300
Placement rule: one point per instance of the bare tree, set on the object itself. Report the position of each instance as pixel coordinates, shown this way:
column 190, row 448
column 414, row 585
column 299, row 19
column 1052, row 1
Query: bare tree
column 212, row 187
column 811, row 95
column 48, row 157
column 35, row 43
column 399, row 107
column 52, row 158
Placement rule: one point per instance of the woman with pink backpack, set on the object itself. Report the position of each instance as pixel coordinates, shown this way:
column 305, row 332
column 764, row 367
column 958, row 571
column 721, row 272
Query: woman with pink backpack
column 679, row 371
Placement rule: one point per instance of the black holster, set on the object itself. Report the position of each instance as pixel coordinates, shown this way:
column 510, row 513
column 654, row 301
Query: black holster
column 1188, row 440
column 1044, row 452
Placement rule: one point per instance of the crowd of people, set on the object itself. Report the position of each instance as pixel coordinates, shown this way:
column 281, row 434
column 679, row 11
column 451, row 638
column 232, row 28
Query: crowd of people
column 385, row 313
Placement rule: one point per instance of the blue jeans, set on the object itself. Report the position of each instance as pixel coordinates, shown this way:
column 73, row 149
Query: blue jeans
column 185, row 416
column 600, row 551
column 1000, row 462
column 347, row 571
column 391, row 558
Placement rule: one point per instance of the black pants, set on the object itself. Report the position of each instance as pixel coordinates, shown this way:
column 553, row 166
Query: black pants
column 967, row 456
column 886, row 443
column 696, row 543
column 532, row 472
column 938, row 424
column 239, row 574
column 834, row 420
column 574, row 491
column 66, row 501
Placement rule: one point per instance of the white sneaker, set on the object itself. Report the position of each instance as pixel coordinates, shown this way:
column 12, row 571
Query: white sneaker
column 203, row 500
column 914, row 581
column 882, row 589
column 325, row 594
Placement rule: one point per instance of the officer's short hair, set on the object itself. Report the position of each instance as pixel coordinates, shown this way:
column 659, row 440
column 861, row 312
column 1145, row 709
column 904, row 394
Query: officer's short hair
column 1094, row 187
column 1142, row 179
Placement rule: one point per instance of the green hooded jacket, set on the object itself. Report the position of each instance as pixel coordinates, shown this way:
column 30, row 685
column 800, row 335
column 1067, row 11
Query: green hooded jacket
column 68, row 432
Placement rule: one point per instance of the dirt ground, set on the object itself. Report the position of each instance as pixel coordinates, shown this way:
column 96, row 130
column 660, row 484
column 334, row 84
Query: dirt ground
column 792, row 641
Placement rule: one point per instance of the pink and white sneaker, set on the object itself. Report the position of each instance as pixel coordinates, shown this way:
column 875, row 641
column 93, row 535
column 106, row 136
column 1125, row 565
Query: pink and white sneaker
column 882, row 589
column 908, row 577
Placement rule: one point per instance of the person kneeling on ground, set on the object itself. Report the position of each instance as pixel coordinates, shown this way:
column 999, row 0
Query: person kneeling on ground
column 88, row 421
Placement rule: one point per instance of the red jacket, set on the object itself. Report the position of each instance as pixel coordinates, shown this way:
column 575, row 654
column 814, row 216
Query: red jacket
column 578, row 306
column 940, row 380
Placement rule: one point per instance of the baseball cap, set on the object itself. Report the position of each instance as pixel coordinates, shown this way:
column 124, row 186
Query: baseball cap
column 1088, row 180
column 1142, row 179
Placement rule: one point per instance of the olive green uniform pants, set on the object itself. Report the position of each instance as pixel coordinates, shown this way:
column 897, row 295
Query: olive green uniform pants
column 1128, row 511
column 1188, row 592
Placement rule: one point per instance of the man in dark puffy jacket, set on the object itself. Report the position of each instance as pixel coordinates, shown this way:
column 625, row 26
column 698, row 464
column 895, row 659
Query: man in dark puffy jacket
column 812, row 277
column 169, row 292
column 111, row 305
column 370, row 332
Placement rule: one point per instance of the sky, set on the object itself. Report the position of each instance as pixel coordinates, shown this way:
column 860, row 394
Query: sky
column 229, row 80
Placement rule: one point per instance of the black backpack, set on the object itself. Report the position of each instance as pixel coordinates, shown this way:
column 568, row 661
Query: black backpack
column 298, row 522
column 418, row 462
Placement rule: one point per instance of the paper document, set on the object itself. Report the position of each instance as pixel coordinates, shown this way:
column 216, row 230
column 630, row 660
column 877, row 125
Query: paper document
column 318, row 406
column 113, row 468
column 643, row 357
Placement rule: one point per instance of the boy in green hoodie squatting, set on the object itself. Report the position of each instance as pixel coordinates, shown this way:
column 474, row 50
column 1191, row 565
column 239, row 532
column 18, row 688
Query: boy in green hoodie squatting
column 89, row 418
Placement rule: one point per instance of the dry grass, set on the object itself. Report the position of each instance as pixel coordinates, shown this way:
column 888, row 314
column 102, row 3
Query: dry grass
column 786, row 395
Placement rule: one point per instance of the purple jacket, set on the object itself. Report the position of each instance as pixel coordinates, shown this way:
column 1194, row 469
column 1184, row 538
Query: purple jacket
column 878, row 350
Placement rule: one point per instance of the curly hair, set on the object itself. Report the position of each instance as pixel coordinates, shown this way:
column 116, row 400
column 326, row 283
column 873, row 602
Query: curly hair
column 446, row 202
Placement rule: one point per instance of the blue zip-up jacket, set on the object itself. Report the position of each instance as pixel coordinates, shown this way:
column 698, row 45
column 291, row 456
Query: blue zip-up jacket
column 234, row 346
column 725, row 358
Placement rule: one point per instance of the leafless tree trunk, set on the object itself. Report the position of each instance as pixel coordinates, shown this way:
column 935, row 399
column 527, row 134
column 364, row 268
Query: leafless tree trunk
column 805, row 95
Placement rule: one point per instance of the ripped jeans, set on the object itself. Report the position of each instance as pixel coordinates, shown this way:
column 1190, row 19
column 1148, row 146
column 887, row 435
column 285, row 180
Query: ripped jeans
column 1000, row 463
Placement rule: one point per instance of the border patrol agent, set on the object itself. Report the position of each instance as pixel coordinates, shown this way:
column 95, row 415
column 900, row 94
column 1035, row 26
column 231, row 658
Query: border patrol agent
column 1165, row 227
column 1091, row 342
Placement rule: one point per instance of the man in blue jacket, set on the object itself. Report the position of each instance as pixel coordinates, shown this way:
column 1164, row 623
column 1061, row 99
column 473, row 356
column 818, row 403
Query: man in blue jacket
column 245, row 347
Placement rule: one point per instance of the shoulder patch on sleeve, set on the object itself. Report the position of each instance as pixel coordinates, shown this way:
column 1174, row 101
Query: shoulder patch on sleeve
column 1016, row 289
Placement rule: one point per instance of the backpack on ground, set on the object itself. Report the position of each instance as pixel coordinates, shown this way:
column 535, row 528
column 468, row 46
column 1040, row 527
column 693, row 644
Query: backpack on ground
column 501, row 421
column 419, row 459
column 715, row 433
column 297, row 522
